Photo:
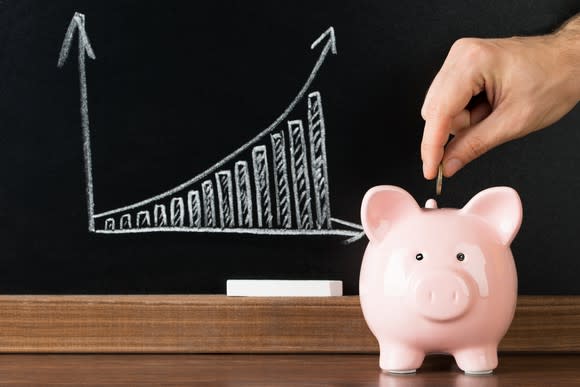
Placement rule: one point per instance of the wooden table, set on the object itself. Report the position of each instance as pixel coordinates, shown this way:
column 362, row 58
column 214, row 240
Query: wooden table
column 275, row 370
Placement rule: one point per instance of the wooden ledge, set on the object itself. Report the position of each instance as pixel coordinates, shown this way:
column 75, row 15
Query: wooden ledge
column 220, row 324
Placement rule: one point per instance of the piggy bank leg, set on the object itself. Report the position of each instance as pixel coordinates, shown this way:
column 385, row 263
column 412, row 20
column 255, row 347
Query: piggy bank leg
column 477, row 360
column 397, row 358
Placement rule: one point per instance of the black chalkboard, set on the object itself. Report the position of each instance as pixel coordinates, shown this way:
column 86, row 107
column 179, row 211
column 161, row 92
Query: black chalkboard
column 192, row 103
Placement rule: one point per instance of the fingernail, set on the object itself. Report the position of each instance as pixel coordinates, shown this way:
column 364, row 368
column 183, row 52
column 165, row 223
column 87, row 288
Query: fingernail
column 451, row 166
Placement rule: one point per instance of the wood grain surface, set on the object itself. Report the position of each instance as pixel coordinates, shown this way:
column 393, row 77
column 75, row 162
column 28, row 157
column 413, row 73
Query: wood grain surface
column 275, row 370
column 218, row 324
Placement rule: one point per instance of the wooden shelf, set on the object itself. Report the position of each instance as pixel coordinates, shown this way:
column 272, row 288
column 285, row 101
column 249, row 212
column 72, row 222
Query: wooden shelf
column 267, row 370
column 220, row 324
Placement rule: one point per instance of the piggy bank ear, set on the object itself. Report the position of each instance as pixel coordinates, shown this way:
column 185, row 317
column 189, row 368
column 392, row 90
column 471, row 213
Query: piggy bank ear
column 382, row 207
column 501, row 208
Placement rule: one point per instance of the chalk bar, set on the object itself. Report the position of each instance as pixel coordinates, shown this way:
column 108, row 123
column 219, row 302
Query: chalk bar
column 283, row 288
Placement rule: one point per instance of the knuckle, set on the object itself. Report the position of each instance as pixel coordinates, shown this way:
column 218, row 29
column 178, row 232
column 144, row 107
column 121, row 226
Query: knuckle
column 430, row 149
column 475, row 146
column 461, row 44
column 426, row 147
column 471, row 50
column 430, row 103
column 424, row 111
column 432, row 108
column 427, row 110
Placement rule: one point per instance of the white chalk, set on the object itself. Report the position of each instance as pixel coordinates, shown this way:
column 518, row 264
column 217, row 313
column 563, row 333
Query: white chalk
column 78, row 23
column 284, row 288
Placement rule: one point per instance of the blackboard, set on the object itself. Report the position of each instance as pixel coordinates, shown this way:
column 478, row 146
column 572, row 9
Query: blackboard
column 186, row 100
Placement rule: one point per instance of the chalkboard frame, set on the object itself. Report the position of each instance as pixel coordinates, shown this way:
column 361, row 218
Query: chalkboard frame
column 221, row 324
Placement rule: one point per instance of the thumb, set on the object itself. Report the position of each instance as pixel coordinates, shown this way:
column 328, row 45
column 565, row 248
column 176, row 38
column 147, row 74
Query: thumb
column 478, row 139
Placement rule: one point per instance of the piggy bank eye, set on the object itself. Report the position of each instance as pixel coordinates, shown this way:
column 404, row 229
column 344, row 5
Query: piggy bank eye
column 460, row 256
column 419, row 257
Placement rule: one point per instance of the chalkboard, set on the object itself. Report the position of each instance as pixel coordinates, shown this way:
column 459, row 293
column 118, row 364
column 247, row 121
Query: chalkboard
column 164, row 147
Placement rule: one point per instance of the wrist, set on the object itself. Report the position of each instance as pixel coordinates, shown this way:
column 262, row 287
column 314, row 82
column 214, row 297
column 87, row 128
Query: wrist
column 567, row 46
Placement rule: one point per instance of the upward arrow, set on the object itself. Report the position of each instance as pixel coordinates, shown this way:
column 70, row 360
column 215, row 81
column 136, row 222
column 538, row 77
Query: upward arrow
column 331, row 42
column 78, row 23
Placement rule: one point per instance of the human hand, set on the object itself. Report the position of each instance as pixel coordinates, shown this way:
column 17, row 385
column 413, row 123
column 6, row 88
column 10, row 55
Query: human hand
column 520, row 85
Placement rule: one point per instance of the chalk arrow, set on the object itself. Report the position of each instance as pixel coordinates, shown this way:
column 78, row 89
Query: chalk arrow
column 329, row 46
column 78, row 23
column 331, row 42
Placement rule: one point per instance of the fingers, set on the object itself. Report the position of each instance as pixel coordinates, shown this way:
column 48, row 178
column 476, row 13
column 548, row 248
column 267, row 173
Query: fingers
column 461, row 121
column 457, row 82
column 432, row 147
column 467, row 118
column 472, row 142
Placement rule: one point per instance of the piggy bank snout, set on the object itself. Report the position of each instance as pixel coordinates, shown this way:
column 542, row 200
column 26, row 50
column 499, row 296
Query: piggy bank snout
column 442, row 295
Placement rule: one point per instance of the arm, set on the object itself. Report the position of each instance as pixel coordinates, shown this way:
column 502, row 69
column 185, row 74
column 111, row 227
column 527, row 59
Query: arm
column 520, row 85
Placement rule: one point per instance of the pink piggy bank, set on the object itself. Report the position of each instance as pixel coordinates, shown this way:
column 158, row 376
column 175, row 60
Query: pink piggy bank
column 439, row 280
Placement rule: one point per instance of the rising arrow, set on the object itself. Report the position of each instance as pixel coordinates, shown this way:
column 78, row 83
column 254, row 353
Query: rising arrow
column 78, row 23
column 331, row 41
column 329, row 46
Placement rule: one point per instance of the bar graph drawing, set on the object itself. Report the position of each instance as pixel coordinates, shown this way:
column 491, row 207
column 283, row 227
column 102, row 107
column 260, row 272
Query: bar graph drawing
column 274, row 184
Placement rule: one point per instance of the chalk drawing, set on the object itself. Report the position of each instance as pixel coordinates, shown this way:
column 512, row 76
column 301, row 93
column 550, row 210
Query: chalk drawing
column 256, row 231
column 176, row 210
column 244, row 194
column 208, row 204
column 305, row 151
column 159, row 215
column 318, row 160
column 78, row 23
column 194, row 208
column 110, row 224
column 299, row 168
column 225, row 198
column 262, row 183
column 143, row 219
column 330, row 46
column 282, row 189
column 125, row 222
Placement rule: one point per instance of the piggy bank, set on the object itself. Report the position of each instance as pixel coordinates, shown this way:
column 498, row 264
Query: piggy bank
column 439, row 280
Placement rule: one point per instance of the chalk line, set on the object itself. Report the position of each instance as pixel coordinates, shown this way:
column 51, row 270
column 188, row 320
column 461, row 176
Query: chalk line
column 78, row 23
column 255, row 231
column 346, row 223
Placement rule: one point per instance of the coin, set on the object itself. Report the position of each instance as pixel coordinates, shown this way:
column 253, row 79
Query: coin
column 439, row 183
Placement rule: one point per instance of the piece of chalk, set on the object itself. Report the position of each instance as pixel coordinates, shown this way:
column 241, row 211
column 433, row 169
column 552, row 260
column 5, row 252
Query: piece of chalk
column 283, row 288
